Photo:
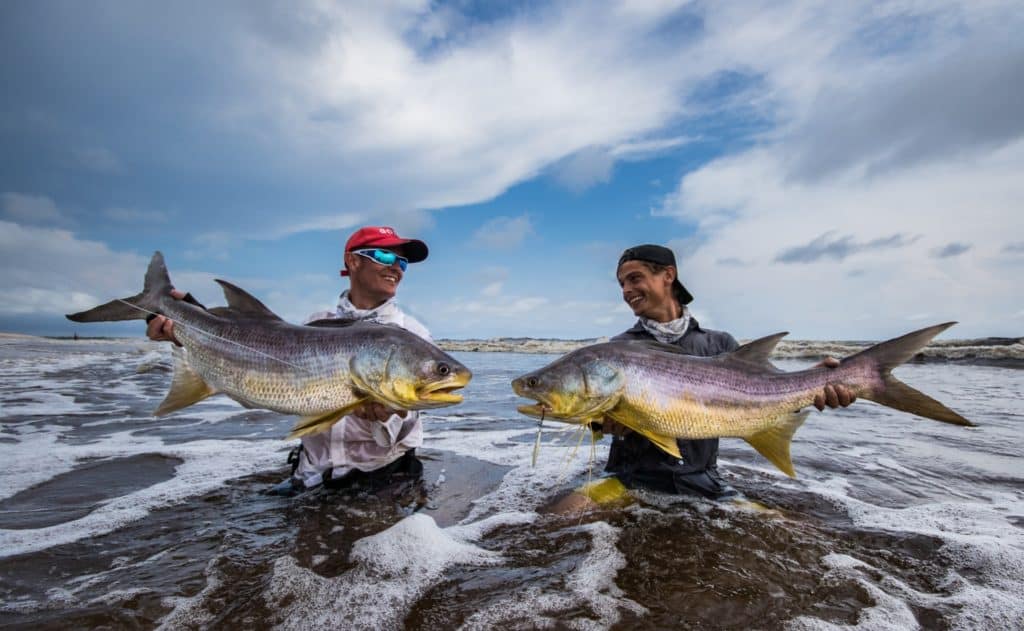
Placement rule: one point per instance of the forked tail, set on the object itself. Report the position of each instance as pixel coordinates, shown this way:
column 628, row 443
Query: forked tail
column 137, row 307
column 890, row 391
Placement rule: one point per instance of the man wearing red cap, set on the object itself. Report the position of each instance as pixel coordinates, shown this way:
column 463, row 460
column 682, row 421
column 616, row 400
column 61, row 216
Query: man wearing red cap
column 374, row 443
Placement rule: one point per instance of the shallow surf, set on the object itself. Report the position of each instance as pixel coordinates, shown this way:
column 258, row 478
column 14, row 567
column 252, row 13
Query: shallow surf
column 110, row 517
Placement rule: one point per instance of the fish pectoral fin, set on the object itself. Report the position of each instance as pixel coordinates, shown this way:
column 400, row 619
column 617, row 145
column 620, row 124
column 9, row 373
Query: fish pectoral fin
column 187, row 387
column 773, row 443
column 320, row 422
column 664, row 443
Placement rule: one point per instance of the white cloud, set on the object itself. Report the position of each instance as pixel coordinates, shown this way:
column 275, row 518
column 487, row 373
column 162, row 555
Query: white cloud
column 973, row 201
column 878, row 166
column 584, row 169
column 98, row 159
column 135, row 215
column 50, row 271
column 532, row 315
column 31, row 209
column 503, row 233
column 492, row 290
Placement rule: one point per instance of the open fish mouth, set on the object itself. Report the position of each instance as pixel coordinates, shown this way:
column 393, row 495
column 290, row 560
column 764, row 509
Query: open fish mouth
column 542, row 410
column 443, row 391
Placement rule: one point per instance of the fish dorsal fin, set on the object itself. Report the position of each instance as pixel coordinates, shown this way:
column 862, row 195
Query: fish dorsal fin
column 664, row 443
column 187, row 387
column 242, row 302
column 758, row 351
column 320, row 422
column 773, row 443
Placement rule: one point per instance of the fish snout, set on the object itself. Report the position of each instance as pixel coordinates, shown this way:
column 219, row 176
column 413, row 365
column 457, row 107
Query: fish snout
column 449, row 377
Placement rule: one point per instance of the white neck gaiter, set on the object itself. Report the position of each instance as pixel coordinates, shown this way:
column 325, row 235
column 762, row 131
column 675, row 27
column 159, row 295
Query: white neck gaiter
column 385, row 313
column 668, row 332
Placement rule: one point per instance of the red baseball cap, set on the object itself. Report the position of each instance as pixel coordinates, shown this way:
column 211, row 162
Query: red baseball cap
column 385, row 237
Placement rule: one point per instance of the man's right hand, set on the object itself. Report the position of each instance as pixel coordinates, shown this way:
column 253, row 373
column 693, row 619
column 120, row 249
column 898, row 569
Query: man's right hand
column 161, row 328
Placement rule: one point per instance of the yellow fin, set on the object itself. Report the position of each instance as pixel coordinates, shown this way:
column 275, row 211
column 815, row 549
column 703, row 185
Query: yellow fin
column 664, row 443
column 313, row 424
column 187, row 387
column 773, row 443
column 604, row 491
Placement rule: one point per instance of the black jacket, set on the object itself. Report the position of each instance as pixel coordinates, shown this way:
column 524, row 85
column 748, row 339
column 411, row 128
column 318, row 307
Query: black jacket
column 636, row 461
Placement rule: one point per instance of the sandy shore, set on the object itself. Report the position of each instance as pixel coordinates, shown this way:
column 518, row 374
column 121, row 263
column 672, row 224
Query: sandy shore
column 996, row 349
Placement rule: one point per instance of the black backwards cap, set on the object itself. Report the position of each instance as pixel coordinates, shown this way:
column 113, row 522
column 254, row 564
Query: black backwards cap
column 661, row 256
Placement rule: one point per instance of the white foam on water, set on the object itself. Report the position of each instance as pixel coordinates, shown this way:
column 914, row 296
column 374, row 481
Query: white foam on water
column 591, row 585
column 395, row 568
column 888, row 613
column 979, row 541
column 207, row 465
column 37, row 456
column 190, row 612
column 498, row 447
column 39, row 403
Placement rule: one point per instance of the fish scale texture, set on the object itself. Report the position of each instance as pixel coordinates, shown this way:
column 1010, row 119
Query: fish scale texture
column 687, row 397
column 277, row 369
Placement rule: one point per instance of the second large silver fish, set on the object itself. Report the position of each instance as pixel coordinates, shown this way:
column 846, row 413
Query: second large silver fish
column 657, row 390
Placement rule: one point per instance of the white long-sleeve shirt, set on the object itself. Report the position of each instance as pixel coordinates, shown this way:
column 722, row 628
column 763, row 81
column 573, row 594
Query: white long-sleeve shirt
column 354, row 442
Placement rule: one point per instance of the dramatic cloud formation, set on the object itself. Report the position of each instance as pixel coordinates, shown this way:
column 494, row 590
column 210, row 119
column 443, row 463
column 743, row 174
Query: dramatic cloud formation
column 834, row 169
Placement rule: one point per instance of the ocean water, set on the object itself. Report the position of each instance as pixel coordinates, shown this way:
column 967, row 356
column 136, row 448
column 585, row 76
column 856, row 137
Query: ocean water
column 112, row 518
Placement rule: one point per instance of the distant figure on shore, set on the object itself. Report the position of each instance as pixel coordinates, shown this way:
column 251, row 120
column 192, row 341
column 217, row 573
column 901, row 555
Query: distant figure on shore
column 75, row 337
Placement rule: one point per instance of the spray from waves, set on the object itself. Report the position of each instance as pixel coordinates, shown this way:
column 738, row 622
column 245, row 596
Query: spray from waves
column 591, row 584
column 395, row 568
column 982, row 553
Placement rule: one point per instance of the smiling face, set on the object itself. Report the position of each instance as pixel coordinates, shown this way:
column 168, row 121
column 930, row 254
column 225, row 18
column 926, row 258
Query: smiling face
column 647, row 289
column 373, row 284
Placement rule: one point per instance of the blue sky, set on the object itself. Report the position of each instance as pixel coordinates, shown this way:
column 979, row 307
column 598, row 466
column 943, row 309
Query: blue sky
column 837, row 170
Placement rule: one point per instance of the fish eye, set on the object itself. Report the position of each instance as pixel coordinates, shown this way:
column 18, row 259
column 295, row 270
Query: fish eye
column 443, row 368
column 532, row 382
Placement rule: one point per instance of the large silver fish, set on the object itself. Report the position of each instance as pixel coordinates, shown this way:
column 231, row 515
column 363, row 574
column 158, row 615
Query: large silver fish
column 664, row 394
column 319, row 373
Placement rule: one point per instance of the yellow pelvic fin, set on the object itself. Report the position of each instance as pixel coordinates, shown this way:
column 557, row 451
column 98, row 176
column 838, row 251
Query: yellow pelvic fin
column 318, row 423
column 773, row 443
column 187, row 387
column 604, row 491
column 667, row 444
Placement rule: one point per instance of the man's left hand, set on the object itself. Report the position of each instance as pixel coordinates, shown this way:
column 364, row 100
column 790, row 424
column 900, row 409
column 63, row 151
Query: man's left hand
column 833, row 396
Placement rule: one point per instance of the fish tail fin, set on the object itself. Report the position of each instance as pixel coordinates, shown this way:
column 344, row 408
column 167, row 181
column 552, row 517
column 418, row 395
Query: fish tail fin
column 774, row 442
column 894, row 393
column 137, row 307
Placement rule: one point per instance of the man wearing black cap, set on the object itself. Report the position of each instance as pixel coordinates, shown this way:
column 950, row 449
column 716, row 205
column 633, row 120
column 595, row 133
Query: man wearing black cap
column 651, row 288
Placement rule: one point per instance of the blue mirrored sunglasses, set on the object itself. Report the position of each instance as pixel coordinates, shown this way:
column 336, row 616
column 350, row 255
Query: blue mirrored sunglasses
column 384, row 257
